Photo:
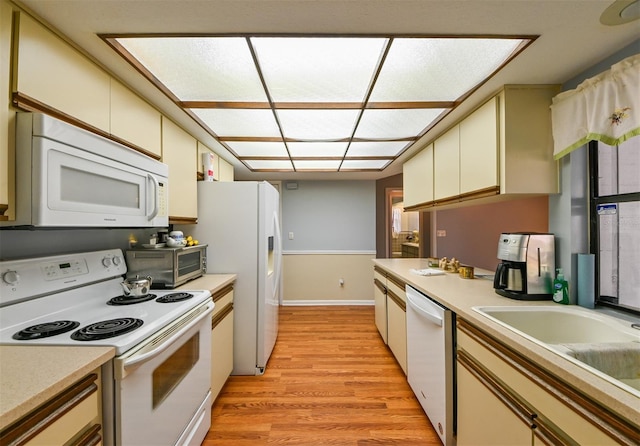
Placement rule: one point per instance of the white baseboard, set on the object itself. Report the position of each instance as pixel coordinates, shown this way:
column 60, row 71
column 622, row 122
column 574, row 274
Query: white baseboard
column 310, row 303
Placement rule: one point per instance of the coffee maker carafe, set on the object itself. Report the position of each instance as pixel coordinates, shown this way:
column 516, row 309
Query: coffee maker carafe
column 527, row 266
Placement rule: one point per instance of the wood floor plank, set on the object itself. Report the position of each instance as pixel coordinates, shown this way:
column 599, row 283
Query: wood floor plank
column 331, row 380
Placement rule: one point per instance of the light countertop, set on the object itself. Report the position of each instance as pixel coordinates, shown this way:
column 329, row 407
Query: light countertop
column 31, row 375
column 460, row 295
column 211, row 282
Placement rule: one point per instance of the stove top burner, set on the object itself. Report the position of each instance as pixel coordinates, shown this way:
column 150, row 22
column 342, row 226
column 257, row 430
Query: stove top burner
column 128, row 300
column 45, row 330
column 174, row 297
column 106, row 329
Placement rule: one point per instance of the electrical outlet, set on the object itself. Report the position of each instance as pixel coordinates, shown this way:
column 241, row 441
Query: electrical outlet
column 441, row 233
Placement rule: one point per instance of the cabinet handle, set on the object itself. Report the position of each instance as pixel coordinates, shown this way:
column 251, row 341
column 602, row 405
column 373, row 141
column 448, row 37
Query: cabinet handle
column 219, row 317
column 29, row 426
column 522, row 411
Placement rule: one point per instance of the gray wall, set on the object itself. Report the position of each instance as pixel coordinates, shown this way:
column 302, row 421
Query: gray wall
column 329, row 216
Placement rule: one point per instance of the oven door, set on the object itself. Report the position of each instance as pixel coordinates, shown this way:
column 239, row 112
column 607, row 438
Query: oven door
column 73, row 187
column 162, row 388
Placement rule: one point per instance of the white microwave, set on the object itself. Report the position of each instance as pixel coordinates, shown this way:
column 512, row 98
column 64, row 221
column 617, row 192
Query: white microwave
column 69, row 177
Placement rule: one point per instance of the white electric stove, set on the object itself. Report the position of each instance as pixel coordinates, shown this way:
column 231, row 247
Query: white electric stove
column 77, row 300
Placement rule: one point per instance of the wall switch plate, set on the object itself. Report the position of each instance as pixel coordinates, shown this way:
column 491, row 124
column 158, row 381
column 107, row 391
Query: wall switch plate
column 291, row 236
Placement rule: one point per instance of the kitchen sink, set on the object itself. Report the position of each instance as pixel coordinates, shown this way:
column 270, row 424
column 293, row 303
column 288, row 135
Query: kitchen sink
column 605, row 345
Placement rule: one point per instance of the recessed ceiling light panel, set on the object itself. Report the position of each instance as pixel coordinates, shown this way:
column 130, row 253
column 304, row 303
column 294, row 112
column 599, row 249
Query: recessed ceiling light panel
column 326, row 103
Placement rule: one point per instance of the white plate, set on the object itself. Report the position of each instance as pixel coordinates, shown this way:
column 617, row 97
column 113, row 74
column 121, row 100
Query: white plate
column 157, row 245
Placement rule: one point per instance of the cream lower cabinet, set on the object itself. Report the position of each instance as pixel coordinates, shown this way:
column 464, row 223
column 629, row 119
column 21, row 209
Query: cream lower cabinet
column 221, row 339
column 391, row 313
column 503, row 398
column 397, row 320
column 71, row 418
column 484, row 417
column 380, row 301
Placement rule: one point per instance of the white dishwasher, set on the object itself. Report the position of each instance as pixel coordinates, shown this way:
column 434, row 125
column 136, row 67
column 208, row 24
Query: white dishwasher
column 430, row 361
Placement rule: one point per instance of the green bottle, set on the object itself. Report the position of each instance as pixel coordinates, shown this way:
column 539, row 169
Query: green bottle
column 560, row 288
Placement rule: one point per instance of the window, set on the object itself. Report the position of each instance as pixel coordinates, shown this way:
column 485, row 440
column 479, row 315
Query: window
column 615, row 222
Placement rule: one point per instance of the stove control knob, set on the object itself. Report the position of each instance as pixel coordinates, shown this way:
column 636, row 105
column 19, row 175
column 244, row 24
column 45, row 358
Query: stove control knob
column 11, row 277
column 106, row 262
column 117, row 260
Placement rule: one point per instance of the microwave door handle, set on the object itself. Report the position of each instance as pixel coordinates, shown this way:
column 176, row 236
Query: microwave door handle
column 156, row 187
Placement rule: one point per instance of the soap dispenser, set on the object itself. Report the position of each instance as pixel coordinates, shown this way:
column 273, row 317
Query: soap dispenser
column 560, row 288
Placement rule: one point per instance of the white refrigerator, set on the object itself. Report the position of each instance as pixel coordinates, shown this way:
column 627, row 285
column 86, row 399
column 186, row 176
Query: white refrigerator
column 240, row 223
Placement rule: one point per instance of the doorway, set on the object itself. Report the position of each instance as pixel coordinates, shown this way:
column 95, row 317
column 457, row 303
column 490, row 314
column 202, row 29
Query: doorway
column 402, row 228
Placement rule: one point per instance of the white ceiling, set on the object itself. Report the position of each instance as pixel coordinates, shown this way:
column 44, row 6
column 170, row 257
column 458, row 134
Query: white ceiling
column 571, row 39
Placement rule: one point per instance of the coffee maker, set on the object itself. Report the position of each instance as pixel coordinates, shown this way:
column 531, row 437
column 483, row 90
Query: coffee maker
column 527, row 266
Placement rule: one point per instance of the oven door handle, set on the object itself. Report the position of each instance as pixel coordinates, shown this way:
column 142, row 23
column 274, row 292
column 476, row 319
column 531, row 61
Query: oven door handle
column 154, row 346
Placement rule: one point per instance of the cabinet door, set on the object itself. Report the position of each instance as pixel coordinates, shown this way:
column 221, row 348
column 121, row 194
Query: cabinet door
column 397, row 320
column 483, row 419
column 226, row 170
column 221, row 351
column 446, row 161
column 7, row 203
column 179, row 151
column 380, row 302
column 71, row 417
column 135, row 121
column 417, row 174
column 53, row 73
column 561, row 411
column 397, row 328
column 479, row 149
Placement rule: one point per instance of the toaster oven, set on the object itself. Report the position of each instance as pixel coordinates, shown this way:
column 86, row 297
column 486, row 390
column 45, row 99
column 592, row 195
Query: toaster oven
column 168, row 267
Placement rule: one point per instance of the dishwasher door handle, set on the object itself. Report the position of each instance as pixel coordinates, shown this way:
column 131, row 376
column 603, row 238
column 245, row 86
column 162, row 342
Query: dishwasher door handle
column 431, row 316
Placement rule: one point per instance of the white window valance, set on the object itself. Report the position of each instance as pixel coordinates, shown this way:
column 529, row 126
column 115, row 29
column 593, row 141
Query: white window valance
column 604, row 108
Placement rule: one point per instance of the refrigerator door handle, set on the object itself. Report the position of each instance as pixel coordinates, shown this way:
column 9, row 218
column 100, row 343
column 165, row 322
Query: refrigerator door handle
column 277, row 252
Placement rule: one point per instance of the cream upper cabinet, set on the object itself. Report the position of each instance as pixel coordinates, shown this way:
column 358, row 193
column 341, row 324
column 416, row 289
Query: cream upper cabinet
column 526, row 144
column 134, row 120
column 52, row 73
column 7, row 200
column 179, row 152
column 225, row 170
column 479, row 149
column 418, row 178
column 446, row 164
column 504, row 147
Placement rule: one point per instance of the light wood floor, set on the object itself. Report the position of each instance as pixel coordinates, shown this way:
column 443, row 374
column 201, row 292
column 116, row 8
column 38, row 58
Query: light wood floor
column 330, row 381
